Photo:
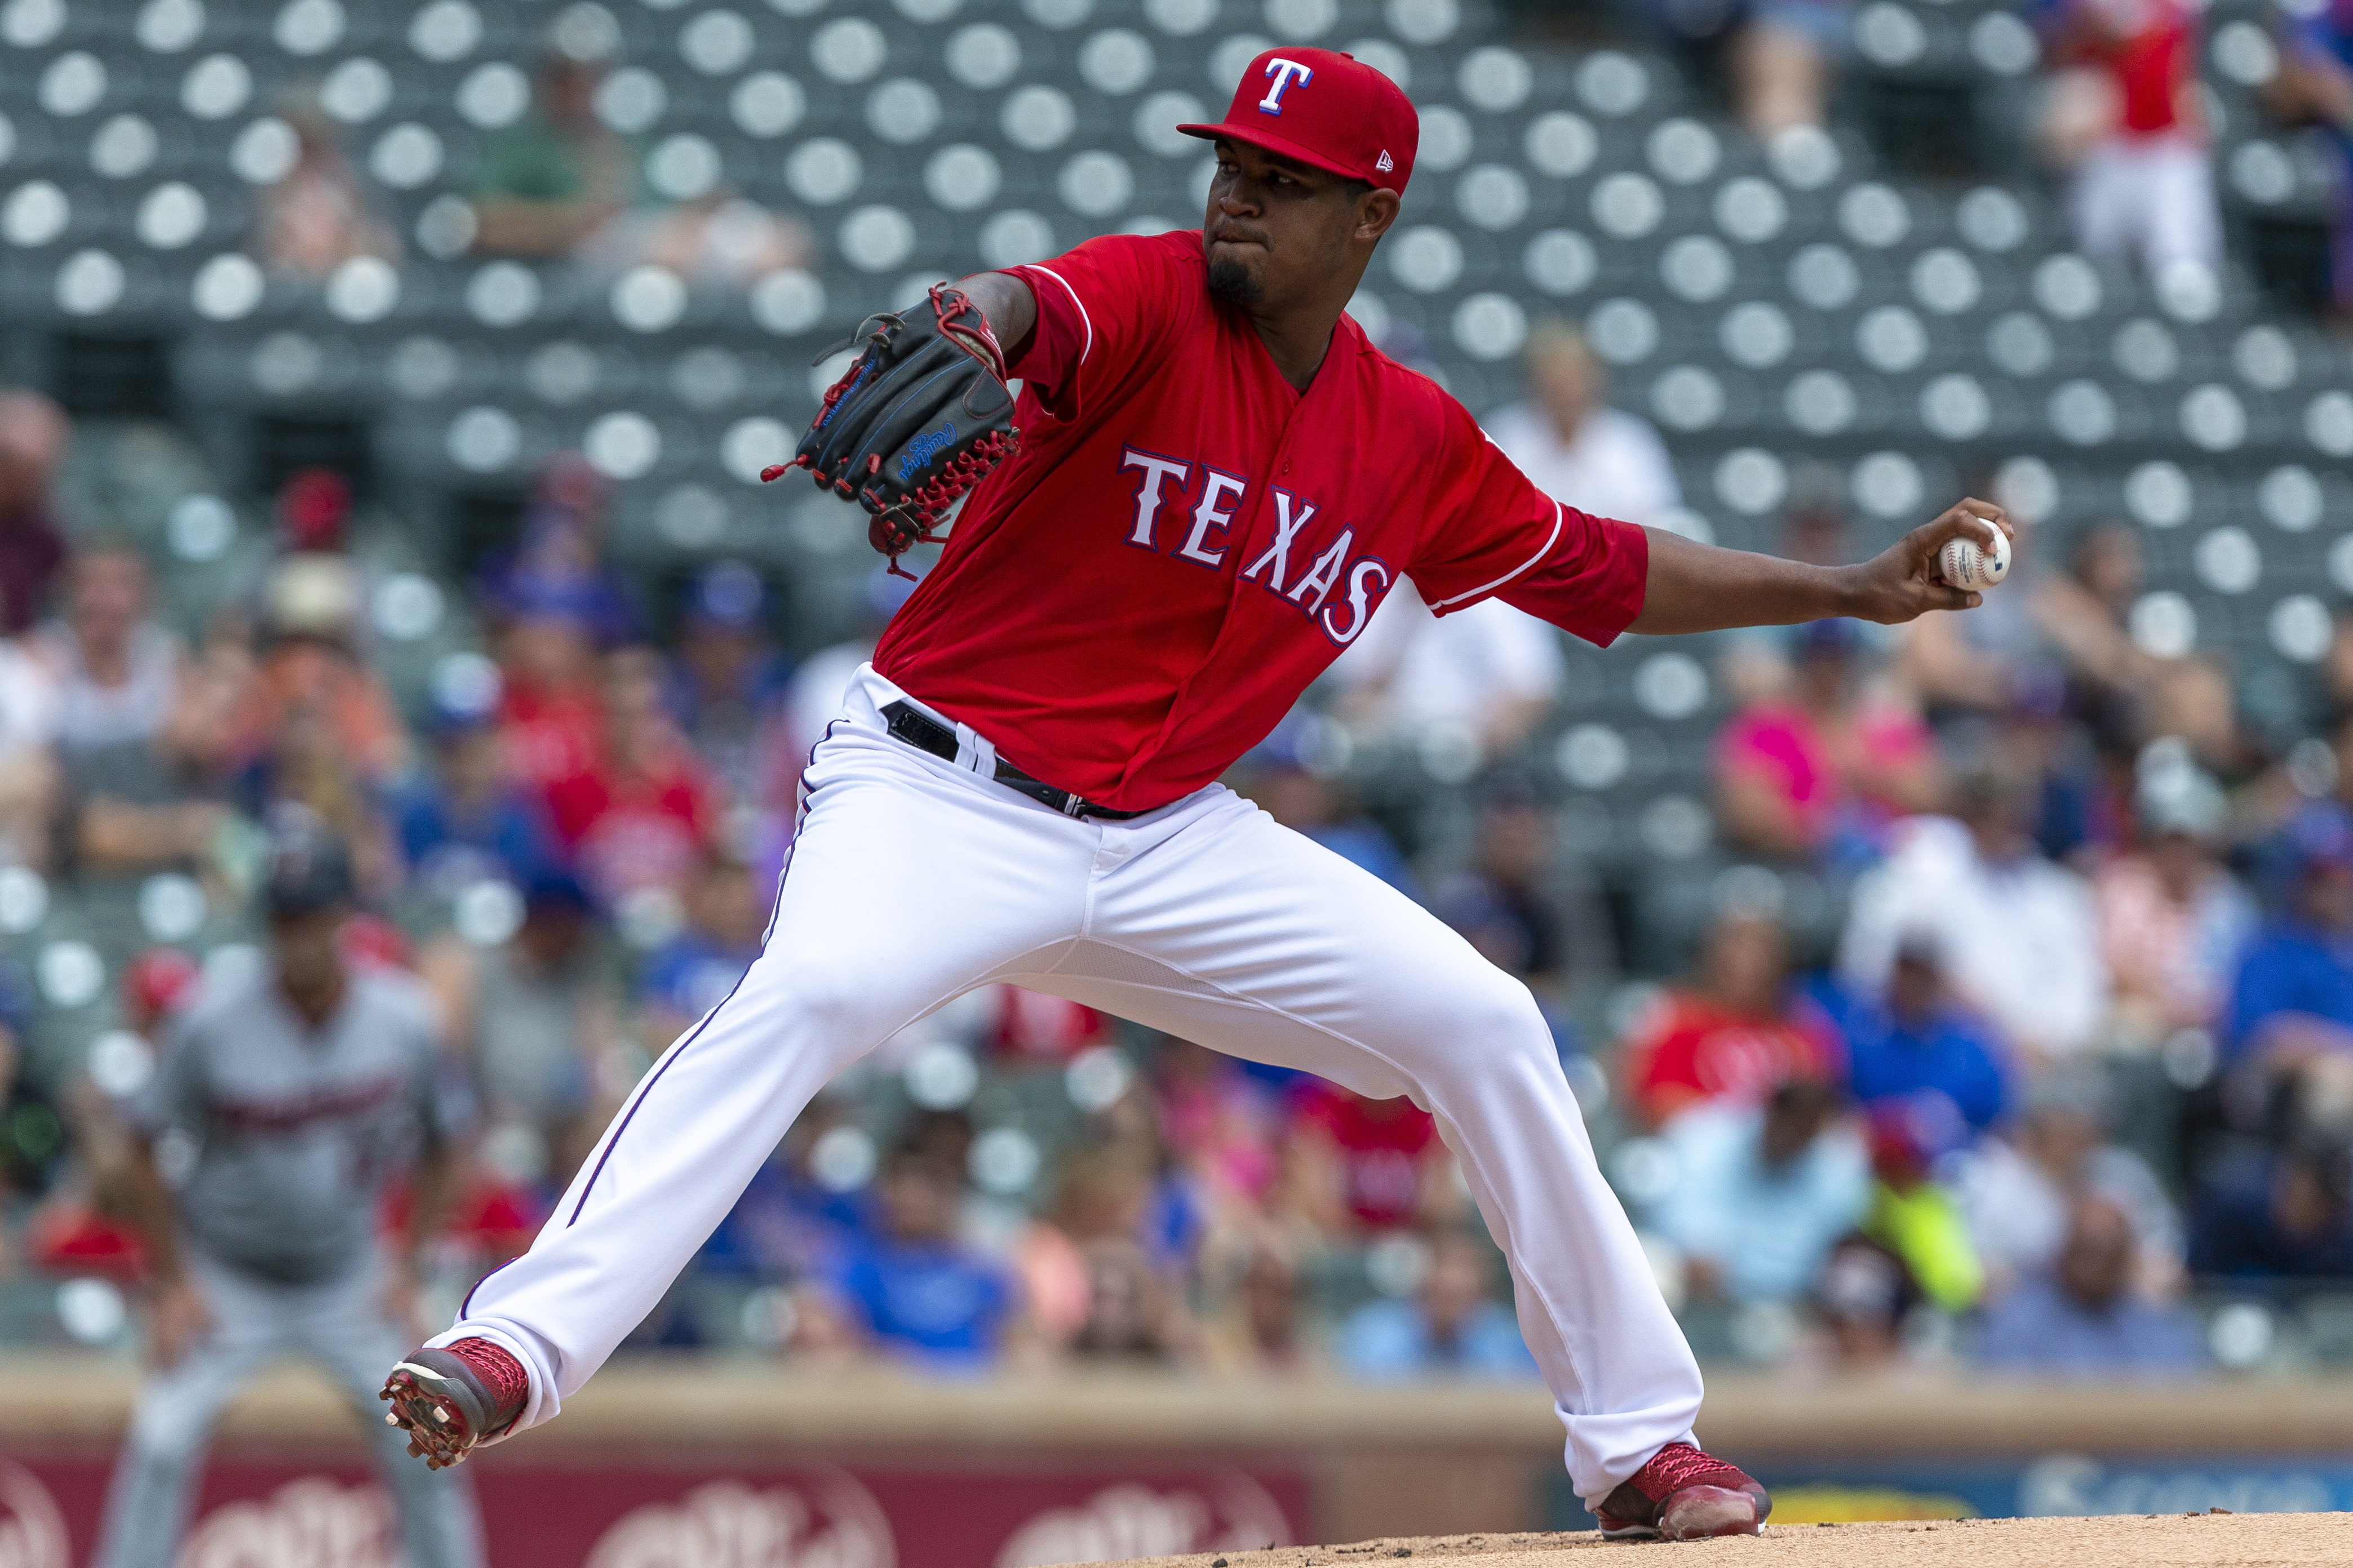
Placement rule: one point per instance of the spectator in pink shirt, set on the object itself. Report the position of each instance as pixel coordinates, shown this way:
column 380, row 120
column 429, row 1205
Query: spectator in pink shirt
column 1817, row 774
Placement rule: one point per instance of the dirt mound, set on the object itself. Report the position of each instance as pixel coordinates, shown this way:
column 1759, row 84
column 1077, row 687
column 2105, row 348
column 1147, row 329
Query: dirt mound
column 2156, row 1540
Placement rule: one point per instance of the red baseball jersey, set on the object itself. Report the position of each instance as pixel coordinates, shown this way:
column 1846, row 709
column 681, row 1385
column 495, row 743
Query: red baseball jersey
column 1184, row 540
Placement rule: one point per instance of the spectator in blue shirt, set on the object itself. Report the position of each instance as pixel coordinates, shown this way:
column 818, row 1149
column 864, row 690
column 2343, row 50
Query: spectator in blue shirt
column 1761, row 1193
column 2314, row 82
column 2082, row 1319
column 2294, row 997
column 729, row 682
column 909, row 1286
column 465, row 820
column 726, row 912
column 1451, row 1327
column 1293, row 774
column 2286, row 1216
column 1920, row 1045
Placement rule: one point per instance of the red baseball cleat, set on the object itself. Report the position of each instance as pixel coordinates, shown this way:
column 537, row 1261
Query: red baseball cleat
column 450, row 1400
column 1683, row 1495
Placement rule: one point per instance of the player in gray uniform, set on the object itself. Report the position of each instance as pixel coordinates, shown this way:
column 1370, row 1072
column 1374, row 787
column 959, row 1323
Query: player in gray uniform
column 287, row 1100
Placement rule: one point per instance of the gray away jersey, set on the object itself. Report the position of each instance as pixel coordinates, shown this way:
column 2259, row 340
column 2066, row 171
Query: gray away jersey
column 297, row 1132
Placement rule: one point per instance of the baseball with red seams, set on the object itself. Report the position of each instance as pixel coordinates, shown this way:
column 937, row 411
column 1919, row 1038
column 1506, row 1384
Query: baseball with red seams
column 1964, row 563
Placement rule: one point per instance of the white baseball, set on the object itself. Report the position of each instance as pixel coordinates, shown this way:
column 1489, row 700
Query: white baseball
column 1964, row 563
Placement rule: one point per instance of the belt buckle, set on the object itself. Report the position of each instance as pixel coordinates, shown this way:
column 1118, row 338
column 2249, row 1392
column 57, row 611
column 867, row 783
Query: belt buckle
column 1072, row 805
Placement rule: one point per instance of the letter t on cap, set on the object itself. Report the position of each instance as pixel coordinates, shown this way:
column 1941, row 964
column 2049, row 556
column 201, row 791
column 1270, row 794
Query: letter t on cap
column 1282, row 73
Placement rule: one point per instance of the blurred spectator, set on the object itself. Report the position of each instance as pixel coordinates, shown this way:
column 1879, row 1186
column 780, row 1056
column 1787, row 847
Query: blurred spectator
column 314, row 666
column 2019, row 933
column 550, row 703
column 1291, row 776
column 1782, row 61
column 31, row 711
column 1820, row 774
column 726, row 909
column 318, row 215
column 1862, row 1297
column 535, row 1022
column 1915, row 1042
column 1358, row 1166
column 2314, row 82
column 1217, row 1121
column 2287, row 1216
column 1508, row 903
column 462, row 820
column 822, row 679
column 1256, row 1308
column 727, row 685
column 648, row 810
column 34, row 1148
column 547, row 184
column 1486, row 674
column 2074, row 814
column 1451, row 1327
column 802, row 1204
column 1761, row 1193
column 2123, row 113
column 719, row 238
column 34, row 437
column 1094, row 1285
column 1733, row 1032
column 2084, row 1317
column 2084, row 611
column 117, row 672
column 161, row 802
column 2292, row 997
column 1916, row 1218
column 906, row 1286
column 1575, row 447
column 557, row 568
column 2173, row 920
column 2016, row 1192
column 1027, row 1028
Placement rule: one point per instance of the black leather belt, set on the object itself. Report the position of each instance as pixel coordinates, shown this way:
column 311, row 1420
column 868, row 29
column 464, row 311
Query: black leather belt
column 926, row 734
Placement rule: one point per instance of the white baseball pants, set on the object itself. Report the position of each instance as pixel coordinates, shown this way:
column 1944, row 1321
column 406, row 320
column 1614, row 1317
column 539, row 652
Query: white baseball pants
column 2148, row 197
column 913, row 880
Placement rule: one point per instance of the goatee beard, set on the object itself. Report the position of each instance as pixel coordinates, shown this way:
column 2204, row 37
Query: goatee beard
column 1232, row 283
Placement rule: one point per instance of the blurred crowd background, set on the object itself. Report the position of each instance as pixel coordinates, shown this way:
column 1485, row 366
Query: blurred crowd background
column 389, row 383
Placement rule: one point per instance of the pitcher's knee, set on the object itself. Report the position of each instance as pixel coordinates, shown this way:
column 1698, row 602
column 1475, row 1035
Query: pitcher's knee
column 1497, row 1027
column 815, row 1004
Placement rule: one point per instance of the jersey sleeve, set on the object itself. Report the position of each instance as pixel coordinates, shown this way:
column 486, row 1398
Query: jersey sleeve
column 1100, row 310
column 1493, row 534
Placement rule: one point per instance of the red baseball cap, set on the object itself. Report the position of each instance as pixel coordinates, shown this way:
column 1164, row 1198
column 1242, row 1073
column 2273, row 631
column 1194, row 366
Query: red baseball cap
column 1326, row 109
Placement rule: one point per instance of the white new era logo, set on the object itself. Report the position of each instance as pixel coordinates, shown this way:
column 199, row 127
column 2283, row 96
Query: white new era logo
column 1385, row 164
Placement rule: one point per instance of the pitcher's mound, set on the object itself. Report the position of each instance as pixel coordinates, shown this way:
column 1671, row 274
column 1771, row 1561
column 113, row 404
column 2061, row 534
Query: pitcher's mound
column 2162, row 1540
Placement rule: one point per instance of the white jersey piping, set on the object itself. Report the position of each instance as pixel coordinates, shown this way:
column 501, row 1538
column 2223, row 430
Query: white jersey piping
column 1543, row 550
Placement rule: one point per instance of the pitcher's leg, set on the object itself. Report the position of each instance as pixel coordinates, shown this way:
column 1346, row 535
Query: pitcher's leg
column 1246, row 937
column 908, row 885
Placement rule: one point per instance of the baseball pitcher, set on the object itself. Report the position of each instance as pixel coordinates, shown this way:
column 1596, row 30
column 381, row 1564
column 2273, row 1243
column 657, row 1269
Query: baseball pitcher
column 1208, row 484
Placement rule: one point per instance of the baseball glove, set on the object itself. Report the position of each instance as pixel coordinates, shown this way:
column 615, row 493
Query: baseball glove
column 919, row 419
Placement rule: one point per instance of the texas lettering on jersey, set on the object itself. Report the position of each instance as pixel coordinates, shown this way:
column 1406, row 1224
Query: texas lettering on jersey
column 1185, row 540
column 1212, row 519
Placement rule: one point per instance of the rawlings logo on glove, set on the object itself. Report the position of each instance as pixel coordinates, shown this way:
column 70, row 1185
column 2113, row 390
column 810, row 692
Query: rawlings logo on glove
column 918, row 421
